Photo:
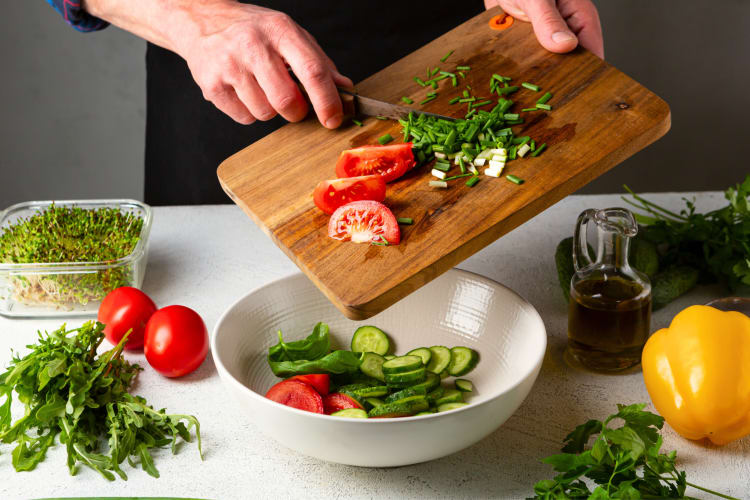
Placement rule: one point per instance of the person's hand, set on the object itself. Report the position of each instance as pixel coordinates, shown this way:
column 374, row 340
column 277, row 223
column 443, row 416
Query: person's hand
column 559, row 26
column 239, row 54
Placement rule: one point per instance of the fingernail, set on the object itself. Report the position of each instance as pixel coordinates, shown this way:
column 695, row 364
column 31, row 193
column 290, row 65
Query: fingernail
column 334, row 121
column 563, row 37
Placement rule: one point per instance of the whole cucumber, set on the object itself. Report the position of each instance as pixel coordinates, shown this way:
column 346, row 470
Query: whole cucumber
column 644, row 257
column 671, row 283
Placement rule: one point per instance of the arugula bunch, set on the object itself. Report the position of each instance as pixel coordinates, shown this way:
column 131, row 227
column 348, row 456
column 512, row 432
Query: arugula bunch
column 624, row 462
column 716, row 243
column 68, row 390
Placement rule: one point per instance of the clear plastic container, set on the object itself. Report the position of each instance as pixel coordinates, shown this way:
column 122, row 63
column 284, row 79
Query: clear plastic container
column 48, row 290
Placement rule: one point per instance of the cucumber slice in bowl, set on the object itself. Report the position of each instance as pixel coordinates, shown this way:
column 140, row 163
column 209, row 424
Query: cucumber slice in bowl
column 463, row 360
column 350, row 413
column 402, row 364
column 372, row 365
column 444, row 407
column 417, row 390
column 431, row 381
column 405, row 379
column 402, row 408
column 450, row 396
column 441, row 357
column 423, row 353
column 370, row 339
column 464, row 385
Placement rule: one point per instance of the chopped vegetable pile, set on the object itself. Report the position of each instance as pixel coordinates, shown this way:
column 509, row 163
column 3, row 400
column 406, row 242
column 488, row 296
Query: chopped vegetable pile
column 370, row 383
column 67, row 390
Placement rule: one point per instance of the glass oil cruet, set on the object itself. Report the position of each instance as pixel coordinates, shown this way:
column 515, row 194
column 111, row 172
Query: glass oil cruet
column 610, row 302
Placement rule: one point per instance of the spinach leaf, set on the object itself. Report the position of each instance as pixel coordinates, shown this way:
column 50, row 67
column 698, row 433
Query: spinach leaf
column 315, row 346
column 336, row 362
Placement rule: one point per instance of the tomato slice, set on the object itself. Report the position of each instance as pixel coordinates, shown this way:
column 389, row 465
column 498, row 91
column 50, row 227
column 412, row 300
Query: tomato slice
column 297, row 395
column 391, row 161
column 331, row 194
column 364, row 222
column 321, row 382
column 337, row 401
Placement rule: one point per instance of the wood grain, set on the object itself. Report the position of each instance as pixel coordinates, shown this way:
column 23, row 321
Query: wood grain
column 600, row 117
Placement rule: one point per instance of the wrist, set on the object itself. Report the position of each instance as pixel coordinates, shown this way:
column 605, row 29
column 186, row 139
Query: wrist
column 188, row 20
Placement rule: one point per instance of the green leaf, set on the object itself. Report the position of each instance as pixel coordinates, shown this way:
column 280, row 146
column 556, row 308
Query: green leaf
column 576, row 440
column 336, row 362
column 146, row 461
column 628, row 440
column 314, row 346
column 599, row 450
column 564, row 462
column 52, row 409
column 25, row 458
column 600, row 494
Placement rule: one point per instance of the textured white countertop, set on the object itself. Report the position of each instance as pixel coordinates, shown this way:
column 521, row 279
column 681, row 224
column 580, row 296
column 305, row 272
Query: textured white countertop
column 207, row 257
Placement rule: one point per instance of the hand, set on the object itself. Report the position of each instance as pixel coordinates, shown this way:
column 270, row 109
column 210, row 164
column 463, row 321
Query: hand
column 559, row 26
column 238, row 54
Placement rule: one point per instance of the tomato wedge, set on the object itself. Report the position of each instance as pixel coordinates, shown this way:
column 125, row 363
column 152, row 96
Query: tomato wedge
column 391, row 161
column 321, row 382
column 331, row 194
column 364, row 222
column 337, row 401
column 297, row 395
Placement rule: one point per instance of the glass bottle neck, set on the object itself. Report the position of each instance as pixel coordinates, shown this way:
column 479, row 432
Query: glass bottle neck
column 613, row 249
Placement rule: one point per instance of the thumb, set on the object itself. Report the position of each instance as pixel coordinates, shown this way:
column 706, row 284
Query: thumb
column 549, row 26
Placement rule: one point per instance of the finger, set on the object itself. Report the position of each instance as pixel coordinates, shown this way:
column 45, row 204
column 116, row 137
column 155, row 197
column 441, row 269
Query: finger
column 582, row 17
column 549, row 26
column 252, row 96
column 338, row 78
column 280, row 91
column 227, row 101
column 314, row 73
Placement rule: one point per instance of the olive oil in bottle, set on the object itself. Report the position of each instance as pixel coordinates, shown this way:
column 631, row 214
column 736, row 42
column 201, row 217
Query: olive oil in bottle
column 609, row 316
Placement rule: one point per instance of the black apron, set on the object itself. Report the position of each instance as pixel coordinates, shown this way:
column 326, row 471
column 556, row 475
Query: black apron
column 187, row 137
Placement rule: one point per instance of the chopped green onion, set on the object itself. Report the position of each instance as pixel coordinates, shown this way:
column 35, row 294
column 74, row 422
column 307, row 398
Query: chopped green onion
column 530, row 109
column 442, row 167
column 434, row 71
column 407, row 100
column 461, row 73
column 453, row 178
column 407, row 221
column 544, row 106
column 468, row 99
column 461, row 164
column 446, row 56
column 454, row 81
column 385, row 139
column 539, row 149
column 546, row 97
column 533, row 145
column 466, row 93
column 439, row 184
column 431, row 94
column 447, row 73
column 507, row 90
column 428, row 100
column 357, row 122
column 434, row 84
column 471, row 182
column 510, row 116
column 454, row 100
column 531, row 86
column 515, row 180
column 483, row 103
column 419, row 81
column 379, row 117
column 463, row 68
column 470, row 113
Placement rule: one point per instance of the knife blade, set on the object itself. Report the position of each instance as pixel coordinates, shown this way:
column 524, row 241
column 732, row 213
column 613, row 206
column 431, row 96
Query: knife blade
column 373, row 107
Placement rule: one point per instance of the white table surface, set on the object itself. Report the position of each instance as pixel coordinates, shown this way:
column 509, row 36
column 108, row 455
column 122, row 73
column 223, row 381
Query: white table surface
column 207, row 257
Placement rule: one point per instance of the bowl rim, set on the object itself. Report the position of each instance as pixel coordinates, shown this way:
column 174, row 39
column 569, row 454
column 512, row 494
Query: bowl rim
column 525, row 374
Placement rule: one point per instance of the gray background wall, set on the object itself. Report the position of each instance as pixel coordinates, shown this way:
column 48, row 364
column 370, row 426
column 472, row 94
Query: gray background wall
column 72, row 106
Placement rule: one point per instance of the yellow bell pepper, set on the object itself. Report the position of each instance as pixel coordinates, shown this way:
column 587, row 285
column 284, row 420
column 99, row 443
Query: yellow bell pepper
column 697, row 373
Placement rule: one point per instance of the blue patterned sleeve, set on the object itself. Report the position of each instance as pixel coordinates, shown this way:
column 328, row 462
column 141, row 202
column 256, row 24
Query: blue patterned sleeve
column 75, row 16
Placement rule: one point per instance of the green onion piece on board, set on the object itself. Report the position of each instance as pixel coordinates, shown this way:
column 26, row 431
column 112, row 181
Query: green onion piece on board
column 457, row 177
column 454, row 100
column 407, row 221
column 357, row 123
column 539, row 149
column 428, row 100
column 419, row 81
column 463, row 68
column 434, row 84
column 483, row 103
column 530, row 109
column 407, row 100
column 442, row 167
column 471, row 182
column 546, row 97
column 515, row 180
column 381, row 117
column 507, row 90
column 544, row 106
column 531, row 86
column 446, row 56
column 385, row 139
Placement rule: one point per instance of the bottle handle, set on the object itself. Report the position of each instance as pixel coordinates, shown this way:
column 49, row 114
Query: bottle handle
column 581, row 256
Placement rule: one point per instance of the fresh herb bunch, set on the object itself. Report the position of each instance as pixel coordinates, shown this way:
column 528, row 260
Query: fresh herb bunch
column 71, row 234
column 67, row 389
column 624, row 462
column 716, row 243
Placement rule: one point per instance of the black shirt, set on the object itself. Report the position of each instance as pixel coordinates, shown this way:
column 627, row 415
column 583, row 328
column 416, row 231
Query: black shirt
column 187, row 137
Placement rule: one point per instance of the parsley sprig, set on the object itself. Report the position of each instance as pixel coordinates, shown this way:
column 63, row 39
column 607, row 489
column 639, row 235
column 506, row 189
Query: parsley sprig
column 67, row 390
column 623, row 462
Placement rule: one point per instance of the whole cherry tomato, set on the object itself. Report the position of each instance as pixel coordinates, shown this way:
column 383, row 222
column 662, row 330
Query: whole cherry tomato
column 176, row 341
column 126, row 308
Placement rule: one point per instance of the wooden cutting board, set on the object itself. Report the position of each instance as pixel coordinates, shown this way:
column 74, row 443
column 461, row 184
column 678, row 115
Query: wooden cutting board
column 600, row 117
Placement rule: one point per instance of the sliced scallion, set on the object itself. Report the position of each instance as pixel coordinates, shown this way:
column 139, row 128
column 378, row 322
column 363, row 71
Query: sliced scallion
column 471, row 182
column 407, row 221
column 544, row 106
column 454, row 100
column 463, row 68
column 385, row 139
column 446, row 56
column 357, row 123
column 515, row 180
column 546, row 97
column 407, row 100
column 531, row 86
column 539, row 149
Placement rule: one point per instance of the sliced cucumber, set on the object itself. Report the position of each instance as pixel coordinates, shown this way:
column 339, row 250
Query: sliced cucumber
column 401, row 408
column 433, row 396
column 406, row 379
column 450, row 396
column 423, row 353
column 417, row 390
column 401, row 364
column 366, row 392
column 350, row 413
column 441, row 357
column 463, row 360
column 464, row 385
column 426, row 412
column 448, row 407
column 430, row 382
column 373, row 402
column 370, row 339
column 389, row 356
column 372, row 365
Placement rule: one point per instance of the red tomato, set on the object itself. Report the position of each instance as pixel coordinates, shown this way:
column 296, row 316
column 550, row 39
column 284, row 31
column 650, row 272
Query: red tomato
column 337, row 401
column 297, row 395
column 331, row 194
column 390, row 161
column 364, row 222
column 321, row 382
column 176, row 341
column 126, row 308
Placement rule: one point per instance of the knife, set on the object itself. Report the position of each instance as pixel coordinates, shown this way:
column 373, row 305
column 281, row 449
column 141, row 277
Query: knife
column 356, row 104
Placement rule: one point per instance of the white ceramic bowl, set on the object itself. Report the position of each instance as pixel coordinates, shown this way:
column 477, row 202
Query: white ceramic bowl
column 457, row 308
